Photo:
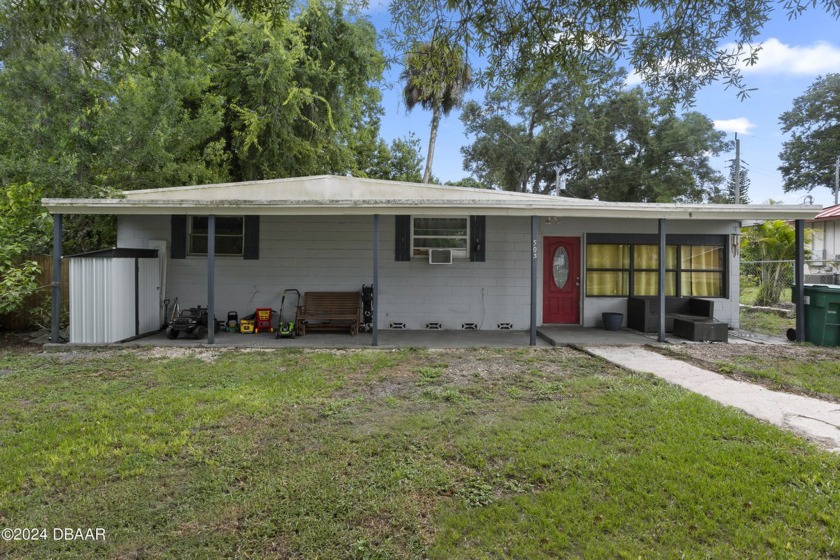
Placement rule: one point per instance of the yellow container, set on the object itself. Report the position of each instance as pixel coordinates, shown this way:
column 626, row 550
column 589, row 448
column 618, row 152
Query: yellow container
column 246, row 326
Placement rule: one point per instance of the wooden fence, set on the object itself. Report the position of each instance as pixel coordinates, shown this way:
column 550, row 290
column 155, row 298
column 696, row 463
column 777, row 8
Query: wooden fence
column 24, row 319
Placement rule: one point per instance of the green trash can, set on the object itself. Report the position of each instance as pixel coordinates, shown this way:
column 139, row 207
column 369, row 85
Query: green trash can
column 822, row 314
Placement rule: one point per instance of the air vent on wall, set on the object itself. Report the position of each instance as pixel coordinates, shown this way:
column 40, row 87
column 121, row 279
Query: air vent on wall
column 505, row 326
column 440, row 256
column 469, row 326
column 397, row 325
column 434, row 326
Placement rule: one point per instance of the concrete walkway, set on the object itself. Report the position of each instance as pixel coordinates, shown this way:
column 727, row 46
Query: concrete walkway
column 811, row 418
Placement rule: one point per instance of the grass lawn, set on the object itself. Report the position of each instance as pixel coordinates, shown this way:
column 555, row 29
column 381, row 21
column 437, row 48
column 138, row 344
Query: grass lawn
column 533, row 453
column 749, row 294
column 766, row 322
column 801, row 367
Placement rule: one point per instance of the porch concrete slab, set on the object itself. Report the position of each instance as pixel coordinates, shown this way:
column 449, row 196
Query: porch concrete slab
column 387, row 339
column 808, row 417
column 567, row 335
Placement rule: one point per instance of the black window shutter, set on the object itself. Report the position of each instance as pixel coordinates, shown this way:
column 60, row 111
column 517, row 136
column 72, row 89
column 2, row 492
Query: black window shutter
column 477, row 238
column 179, row 237
column 402, row 238
column 252, row 238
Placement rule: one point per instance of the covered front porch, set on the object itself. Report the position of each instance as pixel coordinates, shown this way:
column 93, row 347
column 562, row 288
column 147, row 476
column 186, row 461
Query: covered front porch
column 554, row 335
column 339, row 233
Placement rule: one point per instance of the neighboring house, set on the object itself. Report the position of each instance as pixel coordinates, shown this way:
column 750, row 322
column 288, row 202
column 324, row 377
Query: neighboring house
column 317, row 233
column 825, row 254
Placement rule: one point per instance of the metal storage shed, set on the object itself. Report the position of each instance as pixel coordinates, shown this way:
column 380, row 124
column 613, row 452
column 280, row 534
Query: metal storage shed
column 114, row 295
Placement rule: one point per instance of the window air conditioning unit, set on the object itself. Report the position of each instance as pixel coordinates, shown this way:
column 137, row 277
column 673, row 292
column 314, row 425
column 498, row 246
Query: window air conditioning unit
column 440, row 256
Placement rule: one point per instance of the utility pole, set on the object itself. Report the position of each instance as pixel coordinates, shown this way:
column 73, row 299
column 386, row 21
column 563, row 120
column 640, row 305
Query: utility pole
column 737, row 169
column 836, row 179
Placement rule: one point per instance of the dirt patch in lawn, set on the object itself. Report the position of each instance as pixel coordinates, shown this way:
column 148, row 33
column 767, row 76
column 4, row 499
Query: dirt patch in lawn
column 711, row 353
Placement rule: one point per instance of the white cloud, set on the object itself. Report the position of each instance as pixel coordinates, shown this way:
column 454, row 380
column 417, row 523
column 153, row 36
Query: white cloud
column 633, row 79
column 776, row 57
column 741, row 125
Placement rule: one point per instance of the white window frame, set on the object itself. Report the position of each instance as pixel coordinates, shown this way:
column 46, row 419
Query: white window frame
column 457, row 253
column 192, row 252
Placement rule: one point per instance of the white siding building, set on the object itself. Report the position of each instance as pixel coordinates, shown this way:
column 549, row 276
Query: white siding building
column 317, row 234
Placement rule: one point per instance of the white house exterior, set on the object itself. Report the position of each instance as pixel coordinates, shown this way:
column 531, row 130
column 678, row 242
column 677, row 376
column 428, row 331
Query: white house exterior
column 317, row 234
column 825, row 254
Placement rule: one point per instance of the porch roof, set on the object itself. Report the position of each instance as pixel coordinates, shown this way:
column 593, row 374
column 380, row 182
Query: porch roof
column 335, row 195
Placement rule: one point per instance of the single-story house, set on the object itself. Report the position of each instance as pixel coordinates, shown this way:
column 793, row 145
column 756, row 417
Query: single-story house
column 825, row 245
column 439, row 256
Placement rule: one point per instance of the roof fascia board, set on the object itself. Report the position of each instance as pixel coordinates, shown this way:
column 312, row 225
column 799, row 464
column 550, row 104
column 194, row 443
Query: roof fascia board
column 430, row 207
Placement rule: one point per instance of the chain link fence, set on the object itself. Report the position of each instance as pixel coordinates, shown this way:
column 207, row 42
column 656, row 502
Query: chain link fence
column 768, row 283
column 766, row 299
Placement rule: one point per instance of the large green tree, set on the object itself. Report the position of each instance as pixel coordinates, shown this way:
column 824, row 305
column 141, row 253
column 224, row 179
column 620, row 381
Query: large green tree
column 674, row 45
column 607, row 142
column 93, row 27
column 399, row 161
column 436, row 76
column 810, row 154
column 300, row 98
column 245, row 98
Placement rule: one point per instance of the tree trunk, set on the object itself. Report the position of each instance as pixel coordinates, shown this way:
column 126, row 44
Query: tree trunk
column 432, row 138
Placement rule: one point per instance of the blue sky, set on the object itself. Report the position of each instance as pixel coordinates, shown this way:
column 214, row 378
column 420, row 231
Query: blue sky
column 794, row 54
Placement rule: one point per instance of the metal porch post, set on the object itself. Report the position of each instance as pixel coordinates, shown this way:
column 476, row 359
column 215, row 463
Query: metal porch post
column 661, row 337
column 55, row 325
column 533, row 335
column 211, row 279
column 375, row 306
column 799, row 280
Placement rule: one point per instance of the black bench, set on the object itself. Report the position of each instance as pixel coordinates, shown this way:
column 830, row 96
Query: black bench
column 700, row 330
column 691, row 318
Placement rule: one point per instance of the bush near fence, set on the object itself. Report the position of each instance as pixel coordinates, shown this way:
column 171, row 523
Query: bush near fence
column 35, row 312
column 767, row 283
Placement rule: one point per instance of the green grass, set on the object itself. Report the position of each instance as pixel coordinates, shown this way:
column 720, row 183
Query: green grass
column 749, row 293
column 803, row 368
column 765, row 322
column 540, row 453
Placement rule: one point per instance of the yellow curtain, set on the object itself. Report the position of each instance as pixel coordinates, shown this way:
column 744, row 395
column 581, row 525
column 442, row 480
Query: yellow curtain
column 706, row 258
column 607, row 282
column 646, row 282
column 608, row 256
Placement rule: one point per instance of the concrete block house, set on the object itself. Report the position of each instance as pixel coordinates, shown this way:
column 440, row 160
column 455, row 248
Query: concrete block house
column 438, row 255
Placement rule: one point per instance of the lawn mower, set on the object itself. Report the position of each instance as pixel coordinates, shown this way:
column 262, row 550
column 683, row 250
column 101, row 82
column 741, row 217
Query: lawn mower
column 191, row 321
column 288, row 312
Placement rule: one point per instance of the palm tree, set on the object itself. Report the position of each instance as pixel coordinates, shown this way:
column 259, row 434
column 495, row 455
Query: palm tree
column 437, row 77
column 772, row 247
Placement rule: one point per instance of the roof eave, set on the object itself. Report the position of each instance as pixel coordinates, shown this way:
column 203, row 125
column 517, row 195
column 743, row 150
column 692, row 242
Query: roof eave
column 583, row 209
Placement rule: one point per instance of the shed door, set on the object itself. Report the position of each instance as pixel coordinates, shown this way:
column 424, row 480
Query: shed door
column 561, row 280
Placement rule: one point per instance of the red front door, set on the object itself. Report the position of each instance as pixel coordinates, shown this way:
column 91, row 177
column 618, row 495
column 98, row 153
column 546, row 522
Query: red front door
column 561, row 280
